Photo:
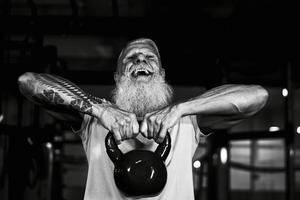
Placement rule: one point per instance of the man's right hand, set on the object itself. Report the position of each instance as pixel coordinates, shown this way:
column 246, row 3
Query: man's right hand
column 122, row 124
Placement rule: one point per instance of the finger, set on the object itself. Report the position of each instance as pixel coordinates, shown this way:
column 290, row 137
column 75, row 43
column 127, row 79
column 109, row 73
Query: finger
column 135, row 126
column 144, row 134
column 156, row 128
column 150, row 129
column 117, row 136
column 144, row 128
column 128, row 131
column 162, row 134
column 120, row 127
column 124, row 132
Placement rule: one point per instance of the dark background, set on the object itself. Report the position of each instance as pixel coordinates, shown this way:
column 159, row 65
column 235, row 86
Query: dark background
column 202, row 44
column 196, row 39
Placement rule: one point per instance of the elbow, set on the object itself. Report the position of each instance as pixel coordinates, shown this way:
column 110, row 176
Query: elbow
column 24, row 81
column 258, row 101
column 24, row 77
column 262, row 96
column 254, row 100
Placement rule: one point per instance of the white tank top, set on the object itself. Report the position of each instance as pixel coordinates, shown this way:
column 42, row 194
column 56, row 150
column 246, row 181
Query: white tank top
column 100, row 184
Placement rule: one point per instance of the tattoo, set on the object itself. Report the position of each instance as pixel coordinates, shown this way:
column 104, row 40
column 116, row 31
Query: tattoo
column 53, row 96
column 82, row 106
column 49, row 96
column 55, row 89
column 72, row 88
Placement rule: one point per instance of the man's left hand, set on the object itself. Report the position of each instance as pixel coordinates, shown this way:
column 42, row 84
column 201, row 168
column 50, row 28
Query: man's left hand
column 156, row 124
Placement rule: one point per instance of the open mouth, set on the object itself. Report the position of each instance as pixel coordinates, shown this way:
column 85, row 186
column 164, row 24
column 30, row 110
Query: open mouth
column 141, row 72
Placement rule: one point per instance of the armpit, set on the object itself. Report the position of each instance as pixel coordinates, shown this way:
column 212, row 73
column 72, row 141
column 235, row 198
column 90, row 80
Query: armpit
column 206, row 130
column 200, row 131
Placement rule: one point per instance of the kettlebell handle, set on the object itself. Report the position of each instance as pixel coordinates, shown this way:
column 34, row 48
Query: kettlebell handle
column 112, row 148
column 164, row 148
column 114, row 153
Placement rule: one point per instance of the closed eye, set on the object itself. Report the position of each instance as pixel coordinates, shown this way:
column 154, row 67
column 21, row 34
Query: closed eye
column 151, row 57
column 130, row 57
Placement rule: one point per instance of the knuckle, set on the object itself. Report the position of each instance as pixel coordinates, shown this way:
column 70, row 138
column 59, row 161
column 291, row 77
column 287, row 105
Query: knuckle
column 121, row 122
column 164, row 123
column 129, row 132
column 132, row 116
column 161, row 138
column 127, row 119
column 115, row 126
column 147, row 115
column 158, row 121
column 135, row 131
column 152, row 118
column 150, row 128
column 117, row 136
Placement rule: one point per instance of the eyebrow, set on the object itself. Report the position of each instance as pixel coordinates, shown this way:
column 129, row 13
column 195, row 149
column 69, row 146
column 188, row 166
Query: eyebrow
column 148, row 51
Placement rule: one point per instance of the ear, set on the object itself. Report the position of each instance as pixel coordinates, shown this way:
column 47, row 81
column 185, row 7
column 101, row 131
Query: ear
column 116, row 77
column 162, row 72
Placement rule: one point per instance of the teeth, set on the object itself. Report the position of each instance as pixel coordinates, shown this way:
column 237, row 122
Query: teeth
column 141, row 70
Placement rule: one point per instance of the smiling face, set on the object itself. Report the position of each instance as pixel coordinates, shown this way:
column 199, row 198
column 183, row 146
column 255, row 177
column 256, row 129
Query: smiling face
column 140, row 79
column 140, row 61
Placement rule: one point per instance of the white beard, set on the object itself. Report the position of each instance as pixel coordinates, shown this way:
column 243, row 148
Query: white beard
column 142, row 97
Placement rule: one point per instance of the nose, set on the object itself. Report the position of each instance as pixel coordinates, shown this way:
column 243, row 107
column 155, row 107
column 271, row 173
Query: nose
column 139, row 59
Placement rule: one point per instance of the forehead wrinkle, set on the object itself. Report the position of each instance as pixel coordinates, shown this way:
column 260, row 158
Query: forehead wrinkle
column 143, row 41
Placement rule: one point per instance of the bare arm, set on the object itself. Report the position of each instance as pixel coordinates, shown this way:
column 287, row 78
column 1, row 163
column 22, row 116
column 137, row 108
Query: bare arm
column 68, row 102
column 218, row 108
column 60, row 97
column 226, row 105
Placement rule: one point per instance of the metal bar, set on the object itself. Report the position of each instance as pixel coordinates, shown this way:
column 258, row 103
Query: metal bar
column 258, row 168
column 228, row 189
column 257, row 135
column 50, row 154
column 211, row 170
column 289, row 139
column 115, row 8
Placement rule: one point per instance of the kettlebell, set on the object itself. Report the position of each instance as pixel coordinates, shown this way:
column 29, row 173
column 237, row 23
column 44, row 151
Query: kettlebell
column 139, row 173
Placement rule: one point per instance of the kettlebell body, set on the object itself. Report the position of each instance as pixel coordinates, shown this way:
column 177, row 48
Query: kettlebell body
column 139, row 172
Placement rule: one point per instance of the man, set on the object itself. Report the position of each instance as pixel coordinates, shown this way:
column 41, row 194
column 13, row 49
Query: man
column 141, row 94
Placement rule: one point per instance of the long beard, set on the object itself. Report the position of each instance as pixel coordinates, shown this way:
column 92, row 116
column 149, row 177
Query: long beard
column 142, row 97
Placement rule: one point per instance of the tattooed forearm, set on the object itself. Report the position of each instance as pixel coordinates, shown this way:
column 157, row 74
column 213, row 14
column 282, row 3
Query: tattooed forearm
column 49, row 96
column 82, row 106
column 71, row 87
column 49, row 90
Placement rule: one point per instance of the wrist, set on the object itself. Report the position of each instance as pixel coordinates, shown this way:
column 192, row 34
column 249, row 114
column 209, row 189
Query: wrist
column 190, row 107
column 99, row 109
column 182, row 109
column 97, row 106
